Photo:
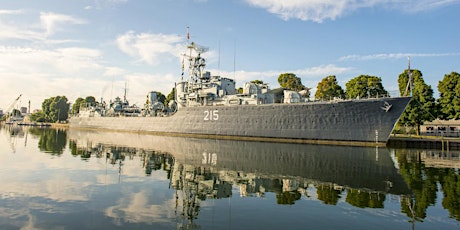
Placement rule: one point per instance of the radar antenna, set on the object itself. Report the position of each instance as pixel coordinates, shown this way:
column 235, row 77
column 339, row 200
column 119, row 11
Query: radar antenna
column 198, row 48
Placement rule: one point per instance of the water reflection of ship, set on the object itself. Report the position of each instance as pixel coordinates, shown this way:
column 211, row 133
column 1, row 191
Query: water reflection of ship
column 356, row 167
column 200, row 169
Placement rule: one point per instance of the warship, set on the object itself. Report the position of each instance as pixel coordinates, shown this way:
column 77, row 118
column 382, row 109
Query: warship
column 210, row 106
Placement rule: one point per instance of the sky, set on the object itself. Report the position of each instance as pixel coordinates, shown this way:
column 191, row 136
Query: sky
column 104, row 48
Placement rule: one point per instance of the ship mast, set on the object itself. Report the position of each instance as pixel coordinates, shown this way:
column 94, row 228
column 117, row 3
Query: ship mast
column 409, row 86
column 124, row 96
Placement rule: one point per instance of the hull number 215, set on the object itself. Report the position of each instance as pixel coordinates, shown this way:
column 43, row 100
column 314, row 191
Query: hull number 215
column 211, row 115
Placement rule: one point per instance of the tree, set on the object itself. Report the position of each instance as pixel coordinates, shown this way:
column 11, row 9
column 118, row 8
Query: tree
column 290, row 81
column 83, row 103
column 38, row 116
column 170, row 96
column 77, row 105
column 258, row 82
column 55, row 109
column 328, row 88
column 422, row 106
column 365, row 86
column 90, row 101
column 449, row 97
column 161, row 97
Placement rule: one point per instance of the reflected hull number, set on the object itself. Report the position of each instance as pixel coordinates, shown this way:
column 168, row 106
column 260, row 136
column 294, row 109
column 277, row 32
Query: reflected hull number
column 209, row 158
column 211, row 115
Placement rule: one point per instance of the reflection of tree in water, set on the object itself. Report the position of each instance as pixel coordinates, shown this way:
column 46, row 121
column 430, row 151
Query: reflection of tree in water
column 153, row 161
column 328, row 194
column 422, row 185
column 364, row 199
column 450, row 182
column 288, row 197
column 84, row 153
column 423, row 182
column 50, row 140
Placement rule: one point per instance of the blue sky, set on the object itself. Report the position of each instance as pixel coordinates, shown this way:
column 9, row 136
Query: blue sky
column 80, row 48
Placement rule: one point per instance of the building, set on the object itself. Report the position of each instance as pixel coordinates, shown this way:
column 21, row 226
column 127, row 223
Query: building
column 23, row 110
column 449, row 128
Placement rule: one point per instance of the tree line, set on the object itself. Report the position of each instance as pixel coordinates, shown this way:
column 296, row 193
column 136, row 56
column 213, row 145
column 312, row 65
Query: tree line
column 423, row 107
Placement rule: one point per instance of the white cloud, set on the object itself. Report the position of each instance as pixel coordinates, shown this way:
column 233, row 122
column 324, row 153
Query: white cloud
column 101, row 4
column 51, row 21
column 19, row 29
column 137, row 208
column 320, row 10
column 322, row 71
column 149, row 47
column 10, row 31
column 69, row 60
column 140, row 84
column 424, row 5
column 355, row 57
column 114, row 71
column 45, row 73
column 7, row 12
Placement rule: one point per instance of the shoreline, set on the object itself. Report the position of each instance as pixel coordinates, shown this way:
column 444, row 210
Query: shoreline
column 395, row 140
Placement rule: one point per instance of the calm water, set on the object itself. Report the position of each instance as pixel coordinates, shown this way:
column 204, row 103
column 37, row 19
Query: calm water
column 58, row 179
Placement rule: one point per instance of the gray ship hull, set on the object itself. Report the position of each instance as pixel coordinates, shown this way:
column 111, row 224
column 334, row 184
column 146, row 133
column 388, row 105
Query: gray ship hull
column 358, row 121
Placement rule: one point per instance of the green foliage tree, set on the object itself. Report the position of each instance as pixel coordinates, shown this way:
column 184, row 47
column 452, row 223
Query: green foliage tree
column 161, row 97
column 449, row 97
column 90, row 100
column 55, row 109
column 328, row 88
column 83, row 103
column 77, row 105
column 365, row 86
column 422, row 106
column 260, row 82
column 38, row 116
column 290, row 81
column 170, row 96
